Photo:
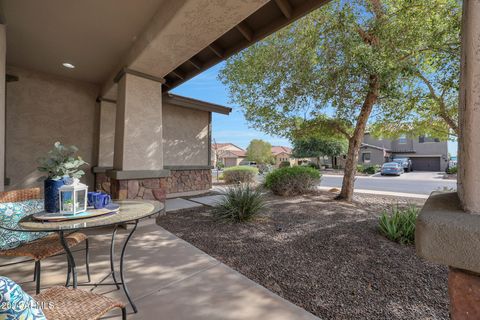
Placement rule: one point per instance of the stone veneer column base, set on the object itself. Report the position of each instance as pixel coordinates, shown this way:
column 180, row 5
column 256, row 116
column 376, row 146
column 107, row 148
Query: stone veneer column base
column 147, row 189
column 464, row 292
column 179, row 181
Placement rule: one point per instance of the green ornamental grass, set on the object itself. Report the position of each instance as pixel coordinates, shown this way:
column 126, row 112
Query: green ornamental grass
column 240, row 203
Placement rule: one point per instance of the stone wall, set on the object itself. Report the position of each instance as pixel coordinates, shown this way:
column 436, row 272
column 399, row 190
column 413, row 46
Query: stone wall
column 189, row 180
column 156, row 189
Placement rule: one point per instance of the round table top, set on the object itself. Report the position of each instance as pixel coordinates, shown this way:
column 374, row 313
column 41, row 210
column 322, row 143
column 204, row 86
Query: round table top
column 129, row 210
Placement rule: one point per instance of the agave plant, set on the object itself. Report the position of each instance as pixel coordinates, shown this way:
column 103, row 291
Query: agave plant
column 399, row 224
column 60, row 162
column 240, row 203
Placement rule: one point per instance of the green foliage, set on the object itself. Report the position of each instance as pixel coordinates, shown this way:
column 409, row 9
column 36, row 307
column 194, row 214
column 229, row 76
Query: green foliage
column 399, row 224
column 61, row 161
column 239, row 174
column 260, row 151
column 315, row 147
column 284, row 164
column 292, row 180
column 313, row 165
column 452, row 170
column 240, row 203
column 220, row 165
column 324, row 60
column 351, row 58
column 371, row 169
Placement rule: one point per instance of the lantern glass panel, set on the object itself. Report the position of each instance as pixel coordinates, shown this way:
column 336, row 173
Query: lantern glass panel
column 66, row 201
column 81, row 203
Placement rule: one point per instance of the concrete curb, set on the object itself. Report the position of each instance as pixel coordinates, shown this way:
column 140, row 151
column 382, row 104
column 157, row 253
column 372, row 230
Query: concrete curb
column 383, row 193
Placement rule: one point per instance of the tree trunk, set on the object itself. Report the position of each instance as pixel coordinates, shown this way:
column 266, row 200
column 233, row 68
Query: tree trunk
column 355, row 141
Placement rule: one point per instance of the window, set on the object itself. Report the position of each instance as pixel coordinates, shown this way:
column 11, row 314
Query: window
column 402, row 139
column 366, row 157
column 423, row 139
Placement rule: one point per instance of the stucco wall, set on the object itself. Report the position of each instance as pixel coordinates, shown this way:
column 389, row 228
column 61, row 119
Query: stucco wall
column 185, row 136
column 3, row 52
column 42, row 109
column 376, row 156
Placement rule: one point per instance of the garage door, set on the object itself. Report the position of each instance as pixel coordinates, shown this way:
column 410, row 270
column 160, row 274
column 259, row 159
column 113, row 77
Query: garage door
column 230, row 162
column 426, row 164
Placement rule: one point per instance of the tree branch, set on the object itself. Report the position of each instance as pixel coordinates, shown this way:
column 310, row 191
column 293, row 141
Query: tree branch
column 442, row 112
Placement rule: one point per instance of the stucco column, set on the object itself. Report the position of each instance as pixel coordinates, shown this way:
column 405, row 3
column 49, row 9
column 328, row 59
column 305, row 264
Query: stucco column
column 138, row 149
column 3, row 51
column 138, row 130
column 469, row 109
column 448, row 227
column 106, row 140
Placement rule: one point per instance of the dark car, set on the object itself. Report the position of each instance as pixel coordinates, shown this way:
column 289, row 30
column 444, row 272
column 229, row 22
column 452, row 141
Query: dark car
column 405, row 163
column 391, row 168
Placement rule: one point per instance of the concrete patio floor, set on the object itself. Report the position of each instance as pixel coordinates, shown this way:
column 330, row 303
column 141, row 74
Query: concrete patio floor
column 168, row 278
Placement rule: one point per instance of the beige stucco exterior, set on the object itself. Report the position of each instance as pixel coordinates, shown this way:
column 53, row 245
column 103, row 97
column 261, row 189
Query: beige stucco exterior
column 3, row 53
column 108, row 110
column 469, row 110
column 42, row 109
column 138, row 123
column 185, row 137
column 284, row 157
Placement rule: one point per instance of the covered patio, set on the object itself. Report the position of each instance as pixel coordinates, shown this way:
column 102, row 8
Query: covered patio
column 126, row 56
column 166, row 276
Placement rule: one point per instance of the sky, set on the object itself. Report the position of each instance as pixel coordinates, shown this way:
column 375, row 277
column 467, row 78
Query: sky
column 233, row 128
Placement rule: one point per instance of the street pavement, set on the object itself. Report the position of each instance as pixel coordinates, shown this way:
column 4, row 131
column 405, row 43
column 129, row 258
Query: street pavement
column 411, row 182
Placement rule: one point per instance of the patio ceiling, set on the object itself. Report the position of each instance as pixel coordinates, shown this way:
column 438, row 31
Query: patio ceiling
column 174, row 40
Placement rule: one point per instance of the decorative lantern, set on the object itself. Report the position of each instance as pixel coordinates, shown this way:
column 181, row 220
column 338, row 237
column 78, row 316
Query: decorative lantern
column 73, row 198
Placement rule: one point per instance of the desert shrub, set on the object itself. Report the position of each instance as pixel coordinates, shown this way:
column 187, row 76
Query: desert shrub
column 452, row 170
column 313, row 165
column 361, row 168
column 239, row 174
column 284, row 164
column 240, row 203
column 399, row 224
column 370, row 170
column 292, row 180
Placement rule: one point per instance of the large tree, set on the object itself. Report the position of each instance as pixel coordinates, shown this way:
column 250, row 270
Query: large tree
column 317, row 147
column 327, row 73
column 260, row 151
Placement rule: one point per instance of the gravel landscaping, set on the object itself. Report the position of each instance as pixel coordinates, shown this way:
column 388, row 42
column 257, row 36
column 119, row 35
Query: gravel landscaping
column 325, row 256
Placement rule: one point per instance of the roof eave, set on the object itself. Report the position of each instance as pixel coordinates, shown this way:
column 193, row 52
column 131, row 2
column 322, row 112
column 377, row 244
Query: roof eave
column 186, row 102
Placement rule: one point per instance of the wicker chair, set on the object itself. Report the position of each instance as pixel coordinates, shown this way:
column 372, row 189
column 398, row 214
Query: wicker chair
column 76, row 304
column 44, row 247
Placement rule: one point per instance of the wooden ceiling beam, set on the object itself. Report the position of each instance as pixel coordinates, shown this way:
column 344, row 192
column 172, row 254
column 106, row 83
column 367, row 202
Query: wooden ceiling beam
column 245, row 30
column 216, row 49
column 285, row 7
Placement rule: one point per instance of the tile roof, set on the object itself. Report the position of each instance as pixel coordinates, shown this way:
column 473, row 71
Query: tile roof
column 280, row 149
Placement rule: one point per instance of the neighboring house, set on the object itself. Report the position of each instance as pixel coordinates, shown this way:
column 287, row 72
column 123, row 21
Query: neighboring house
column 427, row 154
column 282, row 154
column 228, row 154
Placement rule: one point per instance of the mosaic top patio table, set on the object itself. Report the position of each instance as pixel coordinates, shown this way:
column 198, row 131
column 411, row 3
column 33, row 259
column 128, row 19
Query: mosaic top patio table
column 129, row 213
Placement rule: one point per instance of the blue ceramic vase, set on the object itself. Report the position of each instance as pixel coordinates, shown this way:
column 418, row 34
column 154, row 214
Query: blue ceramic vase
column 51, row 194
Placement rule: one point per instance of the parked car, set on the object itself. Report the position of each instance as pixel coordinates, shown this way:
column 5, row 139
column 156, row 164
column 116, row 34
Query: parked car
column 391, row 168
column 406, row 163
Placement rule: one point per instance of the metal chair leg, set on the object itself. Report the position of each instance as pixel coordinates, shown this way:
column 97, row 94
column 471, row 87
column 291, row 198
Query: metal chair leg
column 67, row 283
column 124, row 313
column 37, row 276
column 87, row 259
